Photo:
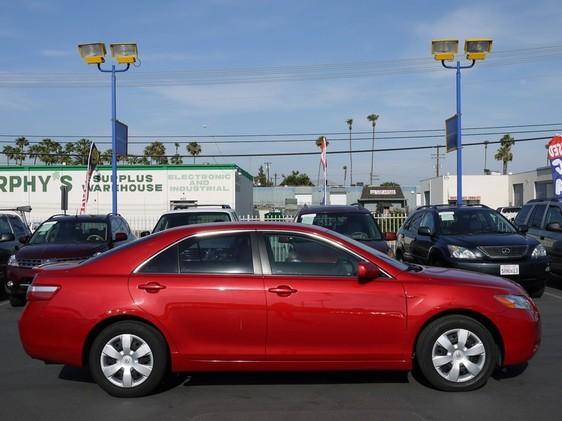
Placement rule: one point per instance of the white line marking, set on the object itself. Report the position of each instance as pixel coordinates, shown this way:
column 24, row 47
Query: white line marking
column 553, row 295
column 4, row 303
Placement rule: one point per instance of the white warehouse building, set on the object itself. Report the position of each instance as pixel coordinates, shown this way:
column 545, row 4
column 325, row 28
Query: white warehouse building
column 144, row 190
column 492, row 190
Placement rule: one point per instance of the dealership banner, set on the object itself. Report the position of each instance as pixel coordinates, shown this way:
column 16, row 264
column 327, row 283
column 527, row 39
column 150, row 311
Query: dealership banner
column 555, row 159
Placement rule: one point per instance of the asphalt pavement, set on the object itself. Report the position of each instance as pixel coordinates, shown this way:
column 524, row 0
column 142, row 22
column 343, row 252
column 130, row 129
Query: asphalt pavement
column 30, row 390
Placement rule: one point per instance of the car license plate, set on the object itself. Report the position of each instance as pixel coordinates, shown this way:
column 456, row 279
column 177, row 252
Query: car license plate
column 509, row 269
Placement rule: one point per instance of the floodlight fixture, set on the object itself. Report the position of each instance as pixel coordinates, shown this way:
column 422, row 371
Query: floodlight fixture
column 124, row 53
column 444, row 49
column 93, row 53
column 477, row 48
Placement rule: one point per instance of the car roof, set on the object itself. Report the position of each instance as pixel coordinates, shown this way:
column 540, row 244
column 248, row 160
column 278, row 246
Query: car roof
column 333, row 209
column 200, row 210
column 81, row 218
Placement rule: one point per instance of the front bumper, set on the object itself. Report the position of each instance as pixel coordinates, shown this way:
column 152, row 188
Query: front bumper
column 532, row 272
column 18, row 279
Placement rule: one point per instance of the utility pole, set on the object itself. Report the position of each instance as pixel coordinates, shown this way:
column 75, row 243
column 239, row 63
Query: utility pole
column 275, row 179
column 438, row 157
column 485, row 156
column 267, row 165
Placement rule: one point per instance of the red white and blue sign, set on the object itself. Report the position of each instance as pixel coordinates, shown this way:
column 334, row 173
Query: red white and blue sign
column 555, row 159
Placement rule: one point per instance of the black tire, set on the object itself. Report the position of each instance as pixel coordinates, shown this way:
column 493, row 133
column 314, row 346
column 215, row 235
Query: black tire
column 159, row 358
column 438, row 261
column 17, row 301
column 537, row 292
column 435, row 376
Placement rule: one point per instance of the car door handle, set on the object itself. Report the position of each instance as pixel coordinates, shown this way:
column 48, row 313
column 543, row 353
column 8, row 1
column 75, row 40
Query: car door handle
column 283, row 290
column 152, row 287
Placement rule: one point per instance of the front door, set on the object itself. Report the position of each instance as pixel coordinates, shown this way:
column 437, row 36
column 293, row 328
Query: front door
column 210, row 293
column 318, row 311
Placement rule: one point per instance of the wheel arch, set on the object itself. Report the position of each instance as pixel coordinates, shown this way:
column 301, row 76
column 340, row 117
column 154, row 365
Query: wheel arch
column 479, row 317
column 98, row 328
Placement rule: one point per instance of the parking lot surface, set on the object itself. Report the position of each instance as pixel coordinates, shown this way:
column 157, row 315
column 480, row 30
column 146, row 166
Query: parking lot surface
column 32, row 390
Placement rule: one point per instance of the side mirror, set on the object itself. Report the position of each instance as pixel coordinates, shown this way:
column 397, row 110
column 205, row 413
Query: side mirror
column 390, row 236
column 522, row 229
column 425, row 231
column 25, row 239
column 121, row 236
column 367, row 271
column 554, row 226
column 144, row 233
column 8, row 236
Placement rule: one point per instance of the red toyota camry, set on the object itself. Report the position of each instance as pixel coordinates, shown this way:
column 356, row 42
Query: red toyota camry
column 267, row 296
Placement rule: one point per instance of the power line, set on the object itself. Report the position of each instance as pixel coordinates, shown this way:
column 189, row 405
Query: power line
column 241, row 135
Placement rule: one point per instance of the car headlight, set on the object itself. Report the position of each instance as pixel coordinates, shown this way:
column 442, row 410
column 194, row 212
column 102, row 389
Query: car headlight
column 539, row 251
column 515, row 301
column 459, row 252
column 12, row 261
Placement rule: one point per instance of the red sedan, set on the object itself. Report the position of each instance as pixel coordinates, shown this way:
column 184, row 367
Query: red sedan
column 268, row 296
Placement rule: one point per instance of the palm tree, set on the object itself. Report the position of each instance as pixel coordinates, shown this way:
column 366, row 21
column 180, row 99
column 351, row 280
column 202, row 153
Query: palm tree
column 194, row 149
column 176, row 159
column 50, row 151
column 10, row 153
column 82, row 150
column 34, row 152
column 21, row 144
column 344, row 174
column 67, row 158
column 156, row 151
column 350, row 124
column 504, row 153
column 373, row 119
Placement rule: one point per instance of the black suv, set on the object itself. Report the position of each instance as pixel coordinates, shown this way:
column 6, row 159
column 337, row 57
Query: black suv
column 543, row 219
column 474, row 238
column 63, row 238
column 14, row 233
column 354, row 221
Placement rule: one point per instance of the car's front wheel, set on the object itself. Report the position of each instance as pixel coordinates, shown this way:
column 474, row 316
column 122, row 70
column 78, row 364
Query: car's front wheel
column 456, row 353
column 128, row 359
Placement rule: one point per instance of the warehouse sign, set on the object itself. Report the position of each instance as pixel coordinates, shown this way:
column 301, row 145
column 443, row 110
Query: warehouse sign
column 32, row 183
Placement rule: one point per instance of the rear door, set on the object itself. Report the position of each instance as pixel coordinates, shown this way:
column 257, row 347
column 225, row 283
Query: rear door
column 552, row 227
column 318, row 311
column 423, row 242
column 209, row 293
column 409, row 236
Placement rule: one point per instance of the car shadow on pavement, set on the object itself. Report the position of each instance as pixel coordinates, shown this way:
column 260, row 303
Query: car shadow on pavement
column 509, row 372
column 270, row 378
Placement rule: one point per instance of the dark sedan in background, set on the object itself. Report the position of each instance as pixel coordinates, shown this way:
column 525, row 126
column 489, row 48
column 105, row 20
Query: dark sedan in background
column 474, row 238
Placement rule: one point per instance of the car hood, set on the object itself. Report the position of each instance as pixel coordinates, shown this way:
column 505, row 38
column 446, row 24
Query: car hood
column 457, row 276
column 474, row 240
column 60, row 251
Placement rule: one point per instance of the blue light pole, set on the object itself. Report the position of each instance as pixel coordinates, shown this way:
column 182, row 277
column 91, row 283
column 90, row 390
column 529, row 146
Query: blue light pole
column 114, row 182
column 458, row 68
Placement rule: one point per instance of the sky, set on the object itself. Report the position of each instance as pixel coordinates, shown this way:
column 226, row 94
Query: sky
column 212, row 68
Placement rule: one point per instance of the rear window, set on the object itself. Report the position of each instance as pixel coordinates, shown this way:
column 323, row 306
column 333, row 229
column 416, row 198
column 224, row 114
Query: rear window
column 359, row 226
column 184, row 218
column 522, row 215
column 510, row 210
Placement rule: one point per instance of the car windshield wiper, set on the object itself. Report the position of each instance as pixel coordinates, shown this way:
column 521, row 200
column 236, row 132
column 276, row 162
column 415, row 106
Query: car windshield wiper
column 414, row 268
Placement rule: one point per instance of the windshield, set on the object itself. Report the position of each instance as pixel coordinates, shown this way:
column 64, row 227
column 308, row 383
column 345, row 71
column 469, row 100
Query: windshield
column 359, row 226
column 473, row 221
column 378, row 254
column 62, row 232
column 179, row 219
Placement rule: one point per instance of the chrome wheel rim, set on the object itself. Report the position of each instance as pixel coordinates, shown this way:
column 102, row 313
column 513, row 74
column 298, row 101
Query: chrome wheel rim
column 126, row 360
column 458, row 355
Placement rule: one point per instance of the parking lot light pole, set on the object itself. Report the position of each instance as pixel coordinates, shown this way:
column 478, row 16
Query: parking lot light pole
column 123, row 54
column 445, row 50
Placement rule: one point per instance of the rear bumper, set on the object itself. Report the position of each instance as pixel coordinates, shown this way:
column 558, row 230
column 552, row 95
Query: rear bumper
column 532, row 273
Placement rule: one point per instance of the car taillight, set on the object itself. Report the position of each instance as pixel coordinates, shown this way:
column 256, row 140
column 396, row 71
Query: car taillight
column 41, row 292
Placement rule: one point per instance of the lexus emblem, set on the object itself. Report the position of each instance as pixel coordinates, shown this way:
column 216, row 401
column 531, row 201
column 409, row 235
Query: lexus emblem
column 506, row 251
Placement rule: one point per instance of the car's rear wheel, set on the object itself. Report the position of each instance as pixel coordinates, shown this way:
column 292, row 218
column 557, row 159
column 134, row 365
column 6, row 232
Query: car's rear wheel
column 537, row 292
column 456, row 353
column 128, row 359
column 17, row 301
